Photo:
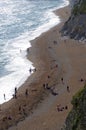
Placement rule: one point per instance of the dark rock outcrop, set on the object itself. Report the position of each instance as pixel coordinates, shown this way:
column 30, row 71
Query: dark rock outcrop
column 75, row 27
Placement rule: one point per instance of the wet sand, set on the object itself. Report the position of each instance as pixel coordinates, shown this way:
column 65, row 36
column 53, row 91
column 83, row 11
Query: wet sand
column 55, row 58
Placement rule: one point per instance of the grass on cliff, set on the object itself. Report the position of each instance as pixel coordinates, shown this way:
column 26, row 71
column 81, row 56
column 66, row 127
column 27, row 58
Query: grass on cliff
column 78, row 109
column 80, row 8
column 76, row 98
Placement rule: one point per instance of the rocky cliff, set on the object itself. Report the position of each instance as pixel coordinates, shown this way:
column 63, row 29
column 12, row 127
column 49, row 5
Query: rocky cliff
column 76, row 119
column 75, row 27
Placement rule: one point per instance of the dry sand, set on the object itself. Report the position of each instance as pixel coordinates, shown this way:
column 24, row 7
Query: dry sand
column 57, row 57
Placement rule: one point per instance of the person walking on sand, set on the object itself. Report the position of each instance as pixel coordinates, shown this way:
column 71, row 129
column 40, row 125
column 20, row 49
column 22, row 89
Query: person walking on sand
column 48, row 76
column 30, row 70
column 15, row 90
column 62, row 80
column 68, row 89
column 26, row 92
column 4, row 97
column 66, row 107
column 44, row 86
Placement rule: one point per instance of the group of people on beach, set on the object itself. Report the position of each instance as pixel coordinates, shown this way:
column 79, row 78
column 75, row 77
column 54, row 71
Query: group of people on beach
column 61, row 108
column 15, row 93
column 32, row 70
column 51, row 89
column 21, row 109
column 46, row 86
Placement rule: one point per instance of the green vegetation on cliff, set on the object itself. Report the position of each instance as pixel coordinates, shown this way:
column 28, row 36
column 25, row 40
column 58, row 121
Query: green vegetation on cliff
column 80, row 8
column 76, row 119
column 79, row 100
column 75, row 27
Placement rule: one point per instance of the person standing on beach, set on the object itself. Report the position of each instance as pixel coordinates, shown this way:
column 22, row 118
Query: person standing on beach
column 26, row 92
column 4, row 97
column 15, row 96
column 15, row 90
column 68, row 89
column 62, row 80
column 30, row 70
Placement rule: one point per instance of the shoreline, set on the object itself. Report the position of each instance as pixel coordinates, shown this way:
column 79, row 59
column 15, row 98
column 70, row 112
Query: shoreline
column 51, row 66
column 21, row 82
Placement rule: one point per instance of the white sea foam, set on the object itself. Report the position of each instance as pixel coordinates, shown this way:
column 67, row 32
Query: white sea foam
column 18, row 66
column 52, row 20
column 10, row 82
column 15, row 49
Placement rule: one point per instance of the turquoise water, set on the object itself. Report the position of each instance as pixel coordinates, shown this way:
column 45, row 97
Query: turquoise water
column 20, row 22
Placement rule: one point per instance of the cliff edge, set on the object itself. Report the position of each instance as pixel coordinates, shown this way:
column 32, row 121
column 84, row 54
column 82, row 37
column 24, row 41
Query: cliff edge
column 76, row 119
column 75, row 27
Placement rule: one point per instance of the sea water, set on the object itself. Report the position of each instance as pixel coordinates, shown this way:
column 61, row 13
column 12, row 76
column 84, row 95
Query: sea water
column 20, row 22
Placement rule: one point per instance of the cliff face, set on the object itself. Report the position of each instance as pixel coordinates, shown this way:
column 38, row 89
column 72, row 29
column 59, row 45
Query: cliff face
column 75, row 27
column 76, row 119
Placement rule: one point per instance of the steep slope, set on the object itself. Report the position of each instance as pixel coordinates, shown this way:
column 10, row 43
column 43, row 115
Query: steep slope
column 76, row 119
column 75, row 27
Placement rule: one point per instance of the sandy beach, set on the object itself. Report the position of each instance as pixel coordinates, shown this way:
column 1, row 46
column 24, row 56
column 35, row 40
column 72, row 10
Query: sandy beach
column 60, row 63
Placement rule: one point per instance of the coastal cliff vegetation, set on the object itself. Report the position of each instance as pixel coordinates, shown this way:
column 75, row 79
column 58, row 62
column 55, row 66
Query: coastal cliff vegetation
column 76, row 119
column 80, row 8
column 75, row 27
